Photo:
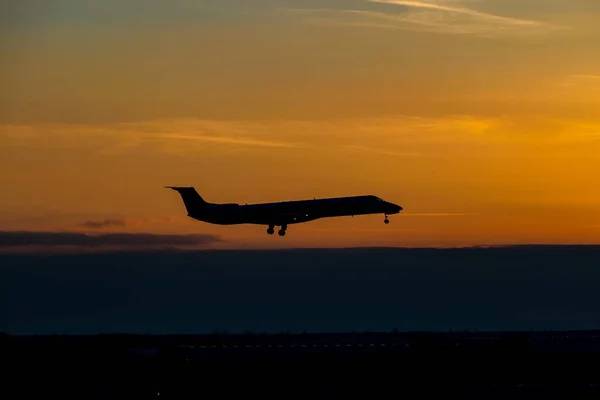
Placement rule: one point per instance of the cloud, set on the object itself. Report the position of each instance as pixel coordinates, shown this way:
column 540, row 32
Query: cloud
column 587, row 77
column 432, row 16
column 24, row 239
column 103, row 224
column 233, row 141
column 588, row 81
column 440, row 6
column 194, row 136
column 122, row 137
column 394, row 136
column 380, row 151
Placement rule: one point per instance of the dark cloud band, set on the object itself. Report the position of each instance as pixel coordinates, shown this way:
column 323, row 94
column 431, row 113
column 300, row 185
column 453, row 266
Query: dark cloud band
column 10, row 239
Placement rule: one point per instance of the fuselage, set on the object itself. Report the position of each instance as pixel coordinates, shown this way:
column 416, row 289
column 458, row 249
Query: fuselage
column 293, row 212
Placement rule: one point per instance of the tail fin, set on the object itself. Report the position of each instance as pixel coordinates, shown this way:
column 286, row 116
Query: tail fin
column 192, row 200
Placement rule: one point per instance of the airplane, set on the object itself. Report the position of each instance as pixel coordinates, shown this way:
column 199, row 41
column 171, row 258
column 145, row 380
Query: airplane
column 282, row 214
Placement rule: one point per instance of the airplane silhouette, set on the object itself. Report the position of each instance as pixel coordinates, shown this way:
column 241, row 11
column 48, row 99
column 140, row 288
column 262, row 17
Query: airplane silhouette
column 284, row 213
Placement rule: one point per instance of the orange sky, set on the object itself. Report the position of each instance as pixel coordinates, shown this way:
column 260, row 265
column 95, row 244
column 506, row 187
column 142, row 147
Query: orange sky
column 484, row 114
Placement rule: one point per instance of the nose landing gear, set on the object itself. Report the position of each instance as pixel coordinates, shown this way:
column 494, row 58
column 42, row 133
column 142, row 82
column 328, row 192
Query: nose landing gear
column 386, row 220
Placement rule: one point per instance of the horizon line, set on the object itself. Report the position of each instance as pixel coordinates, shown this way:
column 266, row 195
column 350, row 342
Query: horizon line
column 175, row 250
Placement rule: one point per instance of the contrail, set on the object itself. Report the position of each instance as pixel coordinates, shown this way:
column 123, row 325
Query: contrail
column 433, row 215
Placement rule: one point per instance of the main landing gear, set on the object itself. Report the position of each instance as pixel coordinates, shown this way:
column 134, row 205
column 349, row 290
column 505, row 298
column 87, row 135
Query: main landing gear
column 281, row 232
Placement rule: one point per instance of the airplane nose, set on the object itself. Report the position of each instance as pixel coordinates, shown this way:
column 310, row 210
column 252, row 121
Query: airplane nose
column 394, row 208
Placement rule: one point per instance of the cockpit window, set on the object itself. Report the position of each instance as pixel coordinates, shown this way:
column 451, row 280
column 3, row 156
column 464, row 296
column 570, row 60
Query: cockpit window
column 377, row 198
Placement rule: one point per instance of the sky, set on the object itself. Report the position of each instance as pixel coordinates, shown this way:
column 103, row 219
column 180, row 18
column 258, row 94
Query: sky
column 479, row 117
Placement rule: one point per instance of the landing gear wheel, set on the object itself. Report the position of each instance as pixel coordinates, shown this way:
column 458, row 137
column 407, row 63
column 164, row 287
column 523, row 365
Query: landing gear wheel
column 282, row 231
column 386, row 220
column 271, row 231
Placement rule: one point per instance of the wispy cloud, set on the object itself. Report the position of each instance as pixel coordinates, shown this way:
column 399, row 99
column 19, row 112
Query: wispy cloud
column 234, row 141
column 587, row 77
column 393, row 136
column 433, row 16
column 95, row 224
column 582, row 80
column 440, row 6
column 192, row 136
column 381, row 151
column 169, row 136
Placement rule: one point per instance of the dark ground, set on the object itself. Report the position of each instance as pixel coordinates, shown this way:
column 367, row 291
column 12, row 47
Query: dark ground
column 523, row 288
column 416, row 365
